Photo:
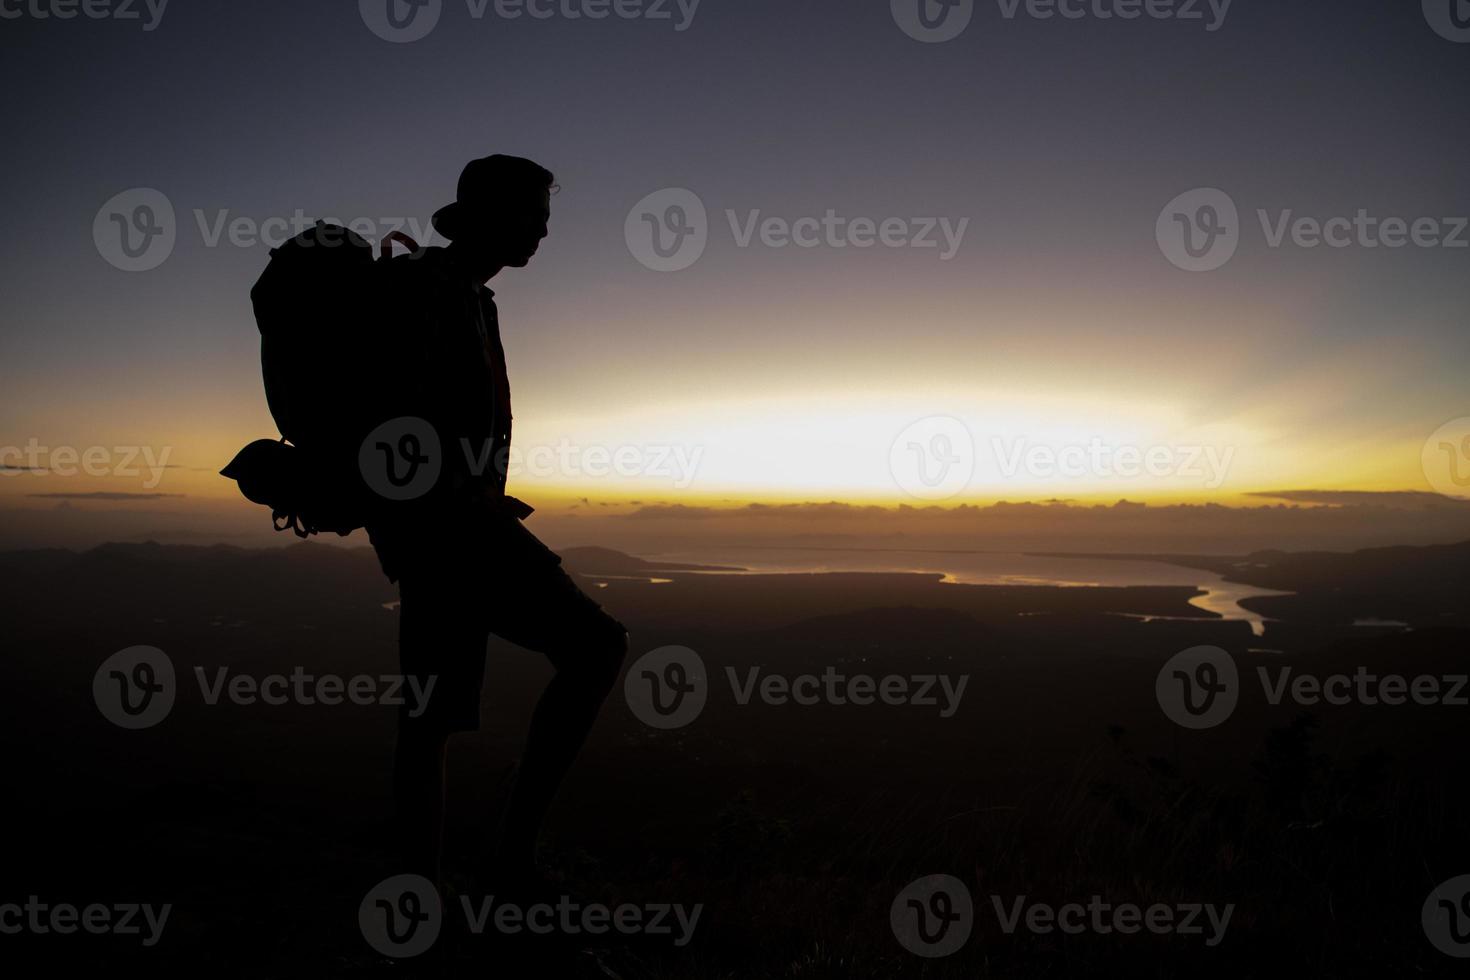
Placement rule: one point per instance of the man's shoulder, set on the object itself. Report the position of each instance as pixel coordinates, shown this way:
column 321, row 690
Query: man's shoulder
column 426, row 265
column 422, row 281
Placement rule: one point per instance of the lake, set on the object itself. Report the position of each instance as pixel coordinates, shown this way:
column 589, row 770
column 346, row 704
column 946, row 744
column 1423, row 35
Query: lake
column 984, row 568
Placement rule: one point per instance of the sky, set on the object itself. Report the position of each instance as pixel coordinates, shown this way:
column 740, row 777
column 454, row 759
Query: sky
column 1021, row 328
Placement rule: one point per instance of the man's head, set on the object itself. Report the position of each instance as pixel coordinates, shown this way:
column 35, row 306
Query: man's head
column 499, row 214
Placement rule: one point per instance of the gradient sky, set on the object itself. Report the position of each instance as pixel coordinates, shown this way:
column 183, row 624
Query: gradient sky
column 790, row 371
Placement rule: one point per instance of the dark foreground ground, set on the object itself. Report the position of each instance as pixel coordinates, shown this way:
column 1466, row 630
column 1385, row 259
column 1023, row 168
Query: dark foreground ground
column 1058, row 778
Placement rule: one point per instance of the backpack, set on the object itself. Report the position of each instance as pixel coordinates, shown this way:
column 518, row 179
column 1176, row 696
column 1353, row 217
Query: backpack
column 321, row 308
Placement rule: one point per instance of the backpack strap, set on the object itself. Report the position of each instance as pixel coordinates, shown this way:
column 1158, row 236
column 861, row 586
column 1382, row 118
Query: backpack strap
column 385, row 247
column 281, row 521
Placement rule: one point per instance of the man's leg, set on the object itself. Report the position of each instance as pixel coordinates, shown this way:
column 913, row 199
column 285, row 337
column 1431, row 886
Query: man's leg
column 441, row 641
column 559, row 727
column 418, row 795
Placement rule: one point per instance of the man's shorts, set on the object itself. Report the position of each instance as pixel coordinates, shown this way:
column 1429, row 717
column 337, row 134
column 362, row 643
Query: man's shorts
column 498, row 578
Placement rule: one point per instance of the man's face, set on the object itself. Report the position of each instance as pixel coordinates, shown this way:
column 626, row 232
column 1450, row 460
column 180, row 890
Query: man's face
column 510, row 238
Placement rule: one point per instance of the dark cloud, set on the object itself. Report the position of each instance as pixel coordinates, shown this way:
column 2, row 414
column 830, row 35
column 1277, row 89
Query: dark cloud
column 1396, row 499
column 104, row 495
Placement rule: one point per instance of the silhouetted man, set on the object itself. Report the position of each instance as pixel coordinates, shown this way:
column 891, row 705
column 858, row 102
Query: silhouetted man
column 465, row 564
